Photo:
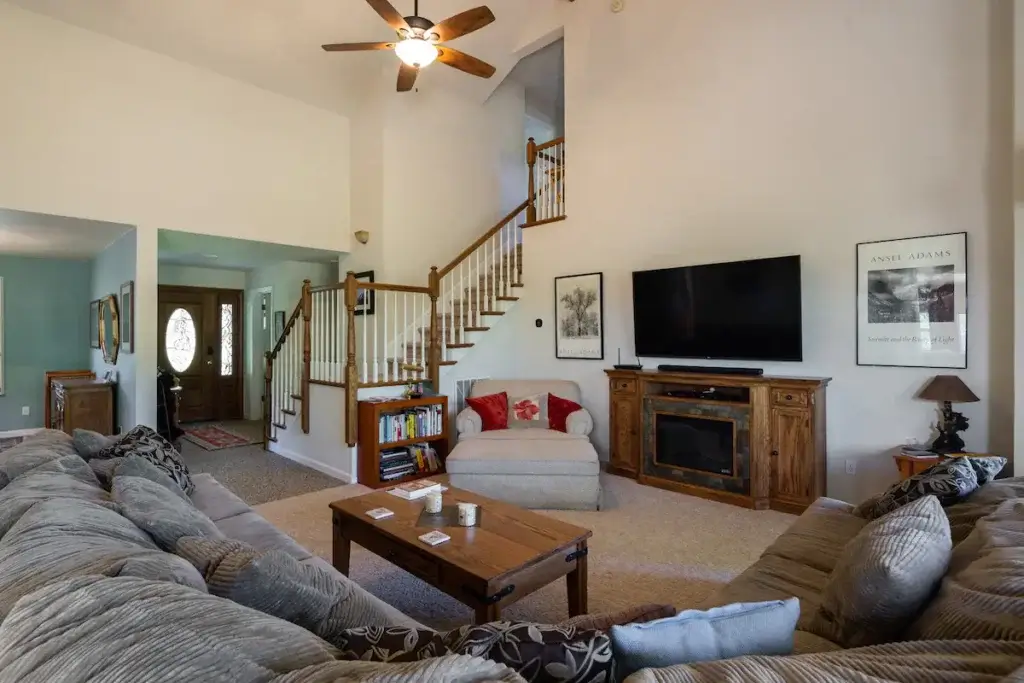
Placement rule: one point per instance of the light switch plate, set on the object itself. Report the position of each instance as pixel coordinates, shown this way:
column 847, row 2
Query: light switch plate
column 25, row 410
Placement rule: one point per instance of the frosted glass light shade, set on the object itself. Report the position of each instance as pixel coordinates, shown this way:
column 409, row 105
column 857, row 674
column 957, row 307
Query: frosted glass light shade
column 416, row 52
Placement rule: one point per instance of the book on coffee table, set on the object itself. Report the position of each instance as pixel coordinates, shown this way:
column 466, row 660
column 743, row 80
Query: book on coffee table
column 415, row 489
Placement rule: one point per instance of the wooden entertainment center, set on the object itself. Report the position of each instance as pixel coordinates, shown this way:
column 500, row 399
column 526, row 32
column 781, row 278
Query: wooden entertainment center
column 755, row 441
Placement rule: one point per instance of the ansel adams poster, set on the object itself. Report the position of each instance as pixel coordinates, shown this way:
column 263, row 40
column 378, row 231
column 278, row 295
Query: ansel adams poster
column 579, row 316
column 912, row 302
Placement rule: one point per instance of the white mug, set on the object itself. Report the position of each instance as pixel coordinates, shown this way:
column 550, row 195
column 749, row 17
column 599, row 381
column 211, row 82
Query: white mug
column 467, row 514
column 433, row 503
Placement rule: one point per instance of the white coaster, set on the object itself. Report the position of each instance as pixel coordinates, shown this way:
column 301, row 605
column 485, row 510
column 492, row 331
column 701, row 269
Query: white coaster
column 380, row 513
column 435, row 538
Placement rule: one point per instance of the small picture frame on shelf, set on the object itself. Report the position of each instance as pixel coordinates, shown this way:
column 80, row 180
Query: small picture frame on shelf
column 912, row 302
column 579, row 317
column 128, row 317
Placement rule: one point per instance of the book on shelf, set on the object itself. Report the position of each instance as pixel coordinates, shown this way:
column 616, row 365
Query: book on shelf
column 420, row 458
column 413, row 490
column 412, row 423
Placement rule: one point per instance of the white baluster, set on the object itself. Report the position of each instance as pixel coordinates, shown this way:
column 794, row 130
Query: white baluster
column 479, row 291
column 495, row 270
column 366, row 367
column 423, row 337
column 463, row 300
column 376, row 360
column 394, row 340
column 444, row 328
column 405, row 326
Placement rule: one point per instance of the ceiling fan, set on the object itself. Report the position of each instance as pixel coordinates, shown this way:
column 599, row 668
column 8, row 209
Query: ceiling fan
column 420, row 41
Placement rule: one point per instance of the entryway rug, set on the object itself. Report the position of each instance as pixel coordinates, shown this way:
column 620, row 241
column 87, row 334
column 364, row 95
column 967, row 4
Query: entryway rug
column 215, row 437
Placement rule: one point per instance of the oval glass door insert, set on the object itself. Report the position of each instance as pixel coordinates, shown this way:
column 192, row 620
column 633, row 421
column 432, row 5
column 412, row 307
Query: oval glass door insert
column 180, row 340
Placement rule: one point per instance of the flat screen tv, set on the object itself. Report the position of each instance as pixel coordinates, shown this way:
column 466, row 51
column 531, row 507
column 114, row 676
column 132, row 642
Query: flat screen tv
column 744, row 310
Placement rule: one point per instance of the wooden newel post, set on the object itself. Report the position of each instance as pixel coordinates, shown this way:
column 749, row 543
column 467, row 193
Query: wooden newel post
column 307, row 337
column 351, row 375
column 435, row 343
column 268, row 378
column 531, row 160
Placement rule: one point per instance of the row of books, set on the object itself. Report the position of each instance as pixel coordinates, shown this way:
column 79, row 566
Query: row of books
column 396, row 463
column 414, row 423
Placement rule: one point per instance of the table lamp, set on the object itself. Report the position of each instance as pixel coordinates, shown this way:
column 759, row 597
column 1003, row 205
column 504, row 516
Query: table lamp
column 948, row 389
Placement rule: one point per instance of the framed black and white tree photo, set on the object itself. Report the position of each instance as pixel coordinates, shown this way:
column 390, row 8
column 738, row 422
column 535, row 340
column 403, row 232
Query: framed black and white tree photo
column 912, row 302
column 365, row 298
column 579, row 317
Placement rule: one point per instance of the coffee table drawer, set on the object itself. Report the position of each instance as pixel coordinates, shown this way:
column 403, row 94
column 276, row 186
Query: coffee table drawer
column 418, row 566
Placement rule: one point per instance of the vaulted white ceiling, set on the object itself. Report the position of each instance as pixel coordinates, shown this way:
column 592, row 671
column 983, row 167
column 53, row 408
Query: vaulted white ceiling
column 275, row 44
column 23, row 233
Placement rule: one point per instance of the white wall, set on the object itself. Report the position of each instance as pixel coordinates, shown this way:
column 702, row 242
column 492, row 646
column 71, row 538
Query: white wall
column 94, row 128
column 765, row 129
column 111, row 268
column 194, row 276
column 452, row 168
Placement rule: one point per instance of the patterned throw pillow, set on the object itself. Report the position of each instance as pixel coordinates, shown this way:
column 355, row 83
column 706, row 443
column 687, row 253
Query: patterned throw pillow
column 492, row 409
column 528, row 412
column 539, row 653
column 389, row 644
column 950, row 481
column 145, row 442
column 559, row 410
column 986, row 466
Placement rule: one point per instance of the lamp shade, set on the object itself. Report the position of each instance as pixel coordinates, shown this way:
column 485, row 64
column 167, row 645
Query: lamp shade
column 947, row 388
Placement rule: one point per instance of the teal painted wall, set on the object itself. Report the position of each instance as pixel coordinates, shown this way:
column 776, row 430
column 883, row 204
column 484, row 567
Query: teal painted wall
column 110, row 269
column 46, row 327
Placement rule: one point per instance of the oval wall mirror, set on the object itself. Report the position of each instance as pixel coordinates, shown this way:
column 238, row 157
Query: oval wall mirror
column 110, row 325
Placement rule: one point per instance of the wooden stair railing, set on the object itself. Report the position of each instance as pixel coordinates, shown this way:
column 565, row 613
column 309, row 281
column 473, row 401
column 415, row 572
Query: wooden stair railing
column 276, row 400
column 545, row 182
column 458, row 299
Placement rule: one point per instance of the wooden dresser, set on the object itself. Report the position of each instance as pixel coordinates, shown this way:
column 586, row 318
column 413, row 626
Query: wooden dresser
column 83, row 404
column 768, row 434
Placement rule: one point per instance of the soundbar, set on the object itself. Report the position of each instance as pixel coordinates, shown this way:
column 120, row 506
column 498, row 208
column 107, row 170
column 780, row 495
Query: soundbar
column 710, row 370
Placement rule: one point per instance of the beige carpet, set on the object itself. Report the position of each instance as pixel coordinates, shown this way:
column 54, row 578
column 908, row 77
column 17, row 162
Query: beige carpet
column 649, row 545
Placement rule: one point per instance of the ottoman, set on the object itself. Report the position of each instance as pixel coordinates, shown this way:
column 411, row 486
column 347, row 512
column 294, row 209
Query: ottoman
column 531, row 468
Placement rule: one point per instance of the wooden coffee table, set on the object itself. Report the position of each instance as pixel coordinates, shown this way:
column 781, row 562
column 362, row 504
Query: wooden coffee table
column 511, row 554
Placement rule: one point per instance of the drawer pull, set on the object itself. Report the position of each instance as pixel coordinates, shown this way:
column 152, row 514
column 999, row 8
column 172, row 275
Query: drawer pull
column 789, row 397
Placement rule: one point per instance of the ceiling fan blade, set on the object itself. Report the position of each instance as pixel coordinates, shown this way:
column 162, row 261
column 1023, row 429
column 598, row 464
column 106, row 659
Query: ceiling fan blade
column 464, row 62
column 356, row 47
column 406, row 77
column 462, row 23
column 389, row 14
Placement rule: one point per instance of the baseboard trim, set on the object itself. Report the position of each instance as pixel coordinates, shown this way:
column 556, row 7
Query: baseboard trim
column 312, row 464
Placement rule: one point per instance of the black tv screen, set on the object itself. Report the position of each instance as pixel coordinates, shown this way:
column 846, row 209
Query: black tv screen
column 744, row 310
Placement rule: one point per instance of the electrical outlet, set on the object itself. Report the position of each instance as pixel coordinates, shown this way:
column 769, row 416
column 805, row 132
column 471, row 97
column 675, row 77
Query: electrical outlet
column 851, row 467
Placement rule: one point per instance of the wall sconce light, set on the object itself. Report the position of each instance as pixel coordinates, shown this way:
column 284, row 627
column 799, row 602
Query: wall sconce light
column 362, row 236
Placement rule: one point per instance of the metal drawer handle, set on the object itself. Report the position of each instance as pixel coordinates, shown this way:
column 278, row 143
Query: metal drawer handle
column 789, row 397
column 491, row 599
column 577, row 554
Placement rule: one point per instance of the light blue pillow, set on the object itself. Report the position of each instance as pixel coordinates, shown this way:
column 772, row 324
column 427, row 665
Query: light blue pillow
column 743, row 628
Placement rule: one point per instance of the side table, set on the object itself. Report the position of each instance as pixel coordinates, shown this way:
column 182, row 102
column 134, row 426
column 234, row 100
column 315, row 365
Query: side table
column 909, row 466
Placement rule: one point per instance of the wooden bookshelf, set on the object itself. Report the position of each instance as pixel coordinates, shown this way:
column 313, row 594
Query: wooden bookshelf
column 370, row 445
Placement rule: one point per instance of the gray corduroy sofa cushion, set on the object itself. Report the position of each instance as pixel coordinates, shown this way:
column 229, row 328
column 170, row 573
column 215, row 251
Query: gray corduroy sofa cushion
column 307, row 594
column 214, row 499
column 36, row 486
column 165, row 515
column 983, row 595
column 885, row 575
column 34, row 451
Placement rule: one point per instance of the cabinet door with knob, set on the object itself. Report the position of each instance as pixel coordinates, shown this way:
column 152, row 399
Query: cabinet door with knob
column 624, row 458
column 793, row 469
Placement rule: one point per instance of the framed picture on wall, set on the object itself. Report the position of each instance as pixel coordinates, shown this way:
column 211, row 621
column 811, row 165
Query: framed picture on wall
column 94, row 324
column 579, row 317
column 128, row 317
column 365, row 298
column 912, row 302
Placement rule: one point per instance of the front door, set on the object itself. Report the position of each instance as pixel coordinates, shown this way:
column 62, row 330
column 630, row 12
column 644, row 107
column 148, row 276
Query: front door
column 198, row 329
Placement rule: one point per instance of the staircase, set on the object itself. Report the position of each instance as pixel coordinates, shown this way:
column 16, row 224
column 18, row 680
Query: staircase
column 353, row 335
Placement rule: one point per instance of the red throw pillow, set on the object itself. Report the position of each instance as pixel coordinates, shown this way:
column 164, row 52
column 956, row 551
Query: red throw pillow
column 558, row 411
column 492, row 409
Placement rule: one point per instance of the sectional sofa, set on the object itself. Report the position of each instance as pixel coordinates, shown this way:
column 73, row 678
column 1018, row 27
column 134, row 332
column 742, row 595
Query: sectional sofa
column 89, row 591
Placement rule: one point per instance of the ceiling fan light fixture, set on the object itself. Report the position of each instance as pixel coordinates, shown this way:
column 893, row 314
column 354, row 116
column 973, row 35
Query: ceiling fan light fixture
column 416, row 52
